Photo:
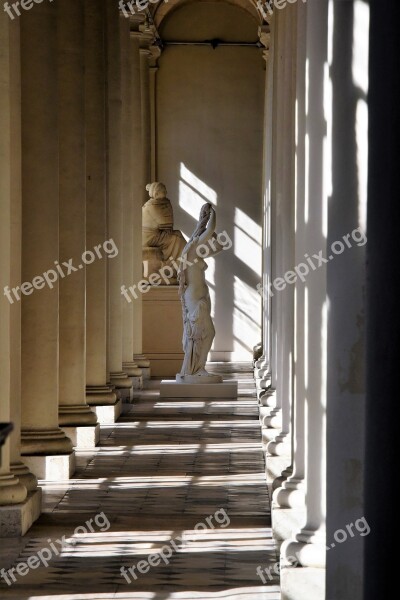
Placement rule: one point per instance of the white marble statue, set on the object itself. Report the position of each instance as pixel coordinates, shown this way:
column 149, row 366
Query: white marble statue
column 162, row 244
column 198, row 327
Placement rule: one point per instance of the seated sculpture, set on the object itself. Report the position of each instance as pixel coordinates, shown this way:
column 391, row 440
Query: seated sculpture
column 162, row 244
column 198, row 327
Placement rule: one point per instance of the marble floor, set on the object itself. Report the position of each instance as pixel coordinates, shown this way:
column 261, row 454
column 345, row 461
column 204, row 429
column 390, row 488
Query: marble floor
column 178, row 482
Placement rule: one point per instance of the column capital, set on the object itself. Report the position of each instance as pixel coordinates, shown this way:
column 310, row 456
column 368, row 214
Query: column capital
column 264, row 35
column 149, row 40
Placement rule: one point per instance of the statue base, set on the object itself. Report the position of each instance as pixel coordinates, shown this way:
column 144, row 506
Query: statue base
column 163, row 330
column 206, row 379
column 173, row 389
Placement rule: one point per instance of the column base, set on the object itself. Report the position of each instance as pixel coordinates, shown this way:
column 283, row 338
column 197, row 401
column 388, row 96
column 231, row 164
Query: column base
column 280, row 446
column 15, row 520
column 302, row 584
column 52, row 467
column 264, row 382
column 146, row 372
column 275, row 465
column 24, row 475
column 12, row 491
column 99, row 395
column 132, row 369
column 261, row 363
column 44, row 442
column 274, row 420
column 137, row 383
column 108, row 415
column 268, row 398
column 120, row 380
column 262, row 370
column 76, row 415
column 267, row 435
column 143, row 362
column 279, row 481
column 264, row 413
column 83, row 437
column 127, row 395
column 290, row 495
column 309, row 548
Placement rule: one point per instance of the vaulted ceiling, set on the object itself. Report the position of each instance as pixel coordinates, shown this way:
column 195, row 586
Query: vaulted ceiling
column 161, row 10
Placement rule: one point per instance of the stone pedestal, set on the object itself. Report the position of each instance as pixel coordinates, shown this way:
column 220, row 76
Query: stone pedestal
column 286, row 522
column 53, row 467
column 163, row 330
column 83, row 437
column 15, row 520
column 172, row 389
column 302, row 584
column 108, row 415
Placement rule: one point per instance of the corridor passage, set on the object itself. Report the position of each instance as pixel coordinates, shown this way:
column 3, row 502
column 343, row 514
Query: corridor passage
column 166, row 468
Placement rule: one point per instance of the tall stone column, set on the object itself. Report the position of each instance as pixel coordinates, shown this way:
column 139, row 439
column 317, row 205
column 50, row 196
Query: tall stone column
column 284, row 225
column 11, row 490
column 145, row 55
column 383, row 322
column 98, row 393
column 153, row 120
column 282, row 260
column 139, row 185
column 262, row 366
column 42, row 439
column 346, row 285
column 268, row 373
column 74, row 412
column 128, row 157
column 291, row 495
column 115, row 196
column 309, row 544
column 11, row 129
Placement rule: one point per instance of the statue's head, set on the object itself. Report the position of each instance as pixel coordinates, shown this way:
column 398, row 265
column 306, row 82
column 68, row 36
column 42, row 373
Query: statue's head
column 205, row 212
column 203, row 220
column 156, row 190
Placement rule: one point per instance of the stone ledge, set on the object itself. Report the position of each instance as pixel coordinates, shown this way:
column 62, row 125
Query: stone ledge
column 16, row 519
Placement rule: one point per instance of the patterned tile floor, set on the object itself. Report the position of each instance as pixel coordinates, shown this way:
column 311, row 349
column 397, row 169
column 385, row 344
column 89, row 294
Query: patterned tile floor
column 157, row 476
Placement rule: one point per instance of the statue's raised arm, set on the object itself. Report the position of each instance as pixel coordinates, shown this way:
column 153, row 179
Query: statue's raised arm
column 198, row 327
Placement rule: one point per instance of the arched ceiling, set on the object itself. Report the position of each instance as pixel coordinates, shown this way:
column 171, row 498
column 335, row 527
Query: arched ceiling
column 161, row 10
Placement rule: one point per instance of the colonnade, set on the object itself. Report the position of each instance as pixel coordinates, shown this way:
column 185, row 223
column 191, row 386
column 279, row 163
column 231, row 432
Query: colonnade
column 77, row 122
column 310, row 377
column 73, row 163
